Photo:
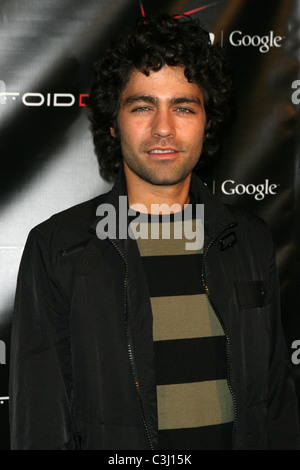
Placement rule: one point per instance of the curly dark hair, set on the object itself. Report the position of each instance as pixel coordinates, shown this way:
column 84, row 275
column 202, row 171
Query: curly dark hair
column 153, row 43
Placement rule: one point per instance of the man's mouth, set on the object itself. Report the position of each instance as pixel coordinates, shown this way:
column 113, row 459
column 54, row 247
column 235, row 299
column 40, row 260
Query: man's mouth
column 159, row 151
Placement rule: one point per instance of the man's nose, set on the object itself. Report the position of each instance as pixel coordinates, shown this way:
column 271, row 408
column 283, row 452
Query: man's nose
column 163, row 124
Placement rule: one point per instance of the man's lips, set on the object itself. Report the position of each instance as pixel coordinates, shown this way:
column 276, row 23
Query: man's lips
column 162, row 151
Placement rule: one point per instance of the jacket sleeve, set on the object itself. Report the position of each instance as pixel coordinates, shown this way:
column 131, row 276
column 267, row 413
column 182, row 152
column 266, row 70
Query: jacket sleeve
column 40, row 416
column 283, row 417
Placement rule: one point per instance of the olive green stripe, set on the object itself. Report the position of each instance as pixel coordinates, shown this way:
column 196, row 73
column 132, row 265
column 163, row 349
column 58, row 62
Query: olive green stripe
column 183, row 316
column 192, row 405
column 153, row 242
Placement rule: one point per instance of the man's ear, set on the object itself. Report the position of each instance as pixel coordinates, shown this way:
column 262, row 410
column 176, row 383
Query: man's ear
column 207, row 129
column 113, row 132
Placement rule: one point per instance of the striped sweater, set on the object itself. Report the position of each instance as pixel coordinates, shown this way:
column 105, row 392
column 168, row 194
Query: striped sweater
column 195, row 409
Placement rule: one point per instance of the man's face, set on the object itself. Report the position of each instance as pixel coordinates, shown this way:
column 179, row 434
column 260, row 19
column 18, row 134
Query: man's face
column 161, row 125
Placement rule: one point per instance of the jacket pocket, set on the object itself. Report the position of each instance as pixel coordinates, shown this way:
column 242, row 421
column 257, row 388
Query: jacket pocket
column 74, row 248
column 251, row 294
column 254, row 337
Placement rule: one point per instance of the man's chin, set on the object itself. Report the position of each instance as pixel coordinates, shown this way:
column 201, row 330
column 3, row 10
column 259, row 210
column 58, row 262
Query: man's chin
column 161, row 180
column 164, row 180
column 159, row 176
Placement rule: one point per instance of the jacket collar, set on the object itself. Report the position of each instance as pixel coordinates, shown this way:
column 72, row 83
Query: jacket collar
column 217, row 216
column 112, row 197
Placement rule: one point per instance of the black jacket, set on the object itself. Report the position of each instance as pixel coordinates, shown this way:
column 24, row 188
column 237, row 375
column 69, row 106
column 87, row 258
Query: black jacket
column 82, row 369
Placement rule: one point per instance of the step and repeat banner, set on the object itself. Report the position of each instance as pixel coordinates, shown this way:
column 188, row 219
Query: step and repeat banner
column 47, row 52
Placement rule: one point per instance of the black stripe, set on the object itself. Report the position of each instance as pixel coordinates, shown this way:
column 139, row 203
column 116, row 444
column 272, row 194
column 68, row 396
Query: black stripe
column 174, row 275
column 215, row 437
column 190, row 360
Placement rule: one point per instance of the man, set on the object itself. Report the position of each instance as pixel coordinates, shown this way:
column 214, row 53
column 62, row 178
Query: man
column 128, row 342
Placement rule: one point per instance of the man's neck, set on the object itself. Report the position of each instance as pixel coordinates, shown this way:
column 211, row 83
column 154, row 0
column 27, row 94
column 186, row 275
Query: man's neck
column 157, row 199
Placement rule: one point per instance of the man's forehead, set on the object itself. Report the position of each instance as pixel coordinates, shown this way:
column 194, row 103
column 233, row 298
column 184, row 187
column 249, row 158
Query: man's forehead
column 168, row 82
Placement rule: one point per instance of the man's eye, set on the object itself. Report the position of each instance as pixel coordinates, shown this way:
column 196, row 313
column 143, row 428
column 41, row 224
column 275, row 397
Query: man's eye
column 140, row 109
column 185, row 110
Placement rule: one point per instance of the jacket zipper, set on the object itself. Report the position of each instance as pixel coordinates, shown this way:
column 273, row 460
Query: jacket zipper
column 225, row 332
column 130, row 348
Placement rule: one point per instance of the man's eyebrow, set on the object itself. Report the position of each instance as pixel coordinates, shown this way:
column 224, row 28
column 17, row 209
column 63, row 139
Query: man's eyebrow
column 186, row 99
column 145, row 98
column 153, row 100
